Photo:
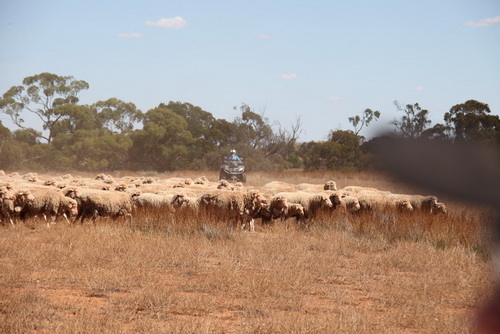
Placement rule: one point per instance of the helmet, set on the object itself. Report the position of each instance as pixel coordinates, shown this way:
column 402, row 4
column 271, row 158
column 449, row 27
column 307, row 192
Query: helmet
column 233, row 151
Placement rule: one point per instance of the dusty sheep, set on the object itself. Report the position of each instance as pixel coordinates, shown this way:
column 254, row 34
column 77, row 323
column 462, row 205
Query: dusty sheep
column 357, row 189
column 313, row 203
column 279, row 186
column 7, row 207
column 190, row 206
column 50, row 182
column 241, row 206
column 13, row 202
column 93, row 203
column 310, row 187
column 168, row 202
column 330, row 185
column 277, row 208
column 381, row 202
column 201, row 180
column 105, row 178
column 420, row 203
column 49, row 202
column 225, row 184
column 295, row 210
column 349, row 204
column 439, row 209
column 121, row 187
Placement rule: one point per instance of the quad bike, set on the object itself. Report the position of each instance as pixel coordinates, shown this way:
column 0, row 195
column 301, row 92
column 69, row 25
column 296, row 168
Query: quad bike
column 233, row 171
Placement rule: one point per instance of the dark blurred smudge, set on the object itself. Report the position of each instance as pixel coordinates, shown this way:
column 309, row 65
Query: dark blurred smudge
column 464, row 172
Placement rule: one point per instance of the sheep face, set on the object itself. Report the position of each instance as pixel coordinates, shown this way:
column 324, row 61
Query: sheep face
column 24, row 197
column 335, row 199
column 295, row 210
column 70, row 208
column 439, row 209
column 404, row 206
column 179, row 200
column 257, row 201
column 279, row 202
column 355, row 205
column 330, row 185
column 72, row 193
column 325, row 202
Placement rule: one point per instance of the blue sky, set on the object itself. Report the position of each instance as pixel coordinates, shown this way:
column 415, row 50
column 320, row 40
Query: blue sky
column 322, row 61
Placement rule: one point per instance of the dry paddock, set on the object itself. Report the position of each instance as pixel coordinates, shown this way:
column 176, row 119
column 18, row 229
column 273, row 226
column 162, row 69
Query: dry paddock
column 157, row 274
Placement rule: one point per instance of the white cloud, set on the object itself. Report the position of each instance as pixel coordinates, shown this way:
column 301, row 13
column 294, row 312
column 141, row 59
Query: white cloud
column 171, row 23
column 288, row 76
column 334, row 98
column 419, row 88
column 130, row 35
column 264, row 37
column 491, row 21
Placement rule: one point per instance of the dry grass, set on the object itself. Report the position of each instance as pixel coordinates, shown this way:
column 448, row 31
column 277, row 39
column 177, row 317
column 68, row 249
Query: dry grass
column 371, row 273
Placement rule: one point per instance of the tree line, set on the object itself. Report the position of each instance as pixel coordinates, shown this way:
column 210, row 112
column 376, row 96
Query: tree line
column 115, row 135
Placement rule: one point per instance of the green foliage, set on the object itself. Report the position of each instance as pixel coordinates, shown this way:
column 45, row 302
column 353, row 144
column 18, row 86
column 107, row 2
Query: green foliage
column 163, row 143
column 341, row 152
column 113, row 134
column 92, row 150
column 76, row 117
column 116, row 115
column 358, row 122
column 253, row 129
column 28, row 136
column 41, row 95
column 471, row 122
column 206, row 136
column 437, row 132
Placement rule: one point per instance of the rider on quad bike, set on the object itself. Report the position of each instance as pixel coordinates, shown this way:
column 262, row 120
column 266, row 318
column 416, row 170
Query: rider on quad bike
column 233, row 156
column 232, row 168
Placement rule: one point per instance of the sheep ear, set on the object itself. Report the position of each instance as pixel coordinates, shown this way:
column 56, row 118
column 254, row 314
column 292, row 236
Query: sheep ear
column 469, row 173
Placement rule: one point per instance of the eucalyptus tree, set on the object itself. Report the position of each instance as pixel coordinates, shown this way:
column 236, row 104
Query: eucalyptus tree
column 414, row 121
column 472, row 121
column 203, row 127
column 340, row 152
column 163, row 143
column 359, row 121
column 116, row 115
column 253, row 128
column 43, row 96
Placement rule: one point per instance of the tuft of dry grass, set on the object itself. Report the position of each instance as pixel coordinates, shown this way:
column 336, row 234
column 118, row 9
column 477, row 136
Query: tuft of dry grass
column 373, row 272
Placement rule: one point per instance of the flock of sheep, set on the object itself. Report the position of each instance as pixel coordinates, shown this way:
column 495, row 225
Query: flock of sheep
column 71, row 198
